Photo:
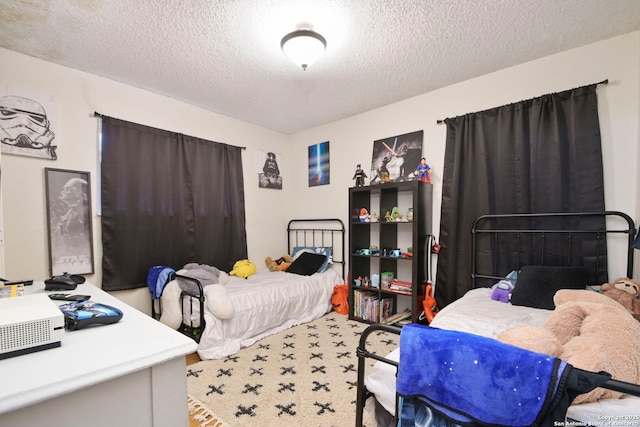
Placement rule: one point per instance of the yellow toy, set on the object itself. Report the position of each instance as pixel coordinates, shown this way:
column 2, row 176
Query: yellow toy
column 243, row 269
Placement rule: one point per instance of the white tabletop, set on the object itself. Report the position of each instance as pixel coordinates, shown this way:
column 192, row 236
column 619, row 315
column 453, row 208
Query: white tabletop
column 89, row 356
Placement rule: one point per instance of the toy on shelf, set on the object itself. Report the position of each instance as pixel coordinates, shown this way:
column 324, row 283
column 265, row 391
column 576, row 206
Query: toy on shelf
column 383, row 172
column 409, row 215
column 364, row 215
column 423, row 171
column 394, row 215
column 359, row 176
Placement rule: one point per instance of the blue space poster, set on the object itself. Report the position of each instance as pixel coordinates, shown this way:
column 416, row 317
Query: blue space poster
column 319, row 164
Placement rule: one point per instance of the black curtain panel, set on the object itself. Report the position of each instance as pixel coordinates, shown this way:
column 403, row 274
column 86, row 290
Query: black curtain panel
column 538, row 155
column 167, row 199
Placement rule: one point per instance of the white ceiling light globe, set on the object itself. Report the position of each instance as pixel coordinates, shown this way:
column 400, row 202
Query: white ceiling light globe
column 303, row 47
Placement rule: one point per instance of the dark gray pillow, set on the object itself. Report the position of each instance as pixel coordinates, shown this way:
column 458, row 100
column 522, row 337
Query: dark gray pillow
column 306, row 264
column 537, row 284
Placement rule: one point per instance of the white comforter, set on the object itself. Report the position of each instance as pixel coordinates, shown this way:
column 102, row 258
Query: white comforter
column 266, row 303
column 477, row 313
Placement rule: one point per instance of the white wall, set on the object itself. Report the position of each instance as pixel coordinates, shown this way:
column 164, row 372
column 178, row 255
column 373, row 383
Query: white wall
column 351, row 140
column 79, row 94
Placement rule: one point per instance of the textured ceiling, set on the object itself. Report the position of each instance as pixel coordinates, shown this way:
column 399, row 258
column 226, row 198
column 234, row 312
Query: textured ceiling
column 224, row 55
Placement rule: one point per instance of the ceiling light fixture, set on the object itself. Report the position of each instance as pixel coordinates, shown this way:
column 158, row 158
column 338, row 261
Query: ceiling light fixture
column 303, row 46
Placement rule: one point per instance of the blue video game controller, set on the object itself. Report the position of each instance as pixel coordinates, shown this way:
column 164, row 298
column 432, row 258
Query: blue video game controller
column 79, row 315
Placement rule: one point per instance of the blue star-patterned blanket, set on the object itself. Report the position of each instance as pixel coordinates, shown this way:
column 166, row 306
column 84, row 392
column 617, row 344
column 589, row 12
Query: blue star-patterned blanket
column 473, row 379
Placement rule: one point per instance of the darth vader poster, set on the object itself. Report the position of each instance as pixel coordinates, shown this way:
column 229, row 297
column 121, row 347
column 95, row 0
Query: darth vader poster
column 396, row 158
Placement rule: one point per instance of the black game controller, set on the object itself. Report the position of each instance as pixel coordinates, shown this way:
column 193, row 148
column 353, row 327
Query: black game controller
column 69, row 297
column 63, row 282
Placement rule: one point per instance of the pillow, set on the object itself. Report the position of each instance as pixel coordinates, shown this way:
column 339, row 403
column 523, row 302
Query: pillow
column 306, row 264
column 326, row 251
column 537, row 284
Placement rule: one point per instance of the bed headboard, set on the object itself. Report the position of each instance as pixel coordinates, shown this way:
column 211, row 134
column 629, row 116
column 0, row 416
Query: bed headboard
column 598, row 241
column 319, row 232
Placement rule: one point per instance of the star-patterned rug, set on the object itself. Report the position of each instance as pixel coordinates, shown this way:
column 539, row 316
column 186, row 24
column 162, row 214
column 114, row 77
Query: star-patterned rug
column 305, row 376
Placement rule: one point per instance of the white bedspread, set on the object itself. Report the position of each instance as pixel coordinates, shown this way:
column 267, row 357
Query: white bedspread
column 266, row 303
column 477, row 313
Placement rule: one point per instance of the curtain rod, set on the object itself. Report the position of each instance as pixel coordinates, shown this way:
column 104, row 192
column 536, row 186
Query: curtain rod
column 96, row 114
column 604, row 82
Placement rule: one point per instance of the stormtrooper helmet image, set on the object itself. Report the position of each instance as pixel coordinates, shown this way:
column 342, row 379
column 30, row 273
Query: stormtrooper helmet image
column 24, row 124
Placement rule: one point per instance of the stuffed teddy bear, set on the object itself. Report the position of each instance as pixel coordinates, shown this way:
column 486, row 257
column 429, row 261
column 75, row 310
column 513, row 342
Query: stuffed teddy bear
column 590, row 331
column 216, row 297
column 625, row 291
column 243, row 269
column 281, row 264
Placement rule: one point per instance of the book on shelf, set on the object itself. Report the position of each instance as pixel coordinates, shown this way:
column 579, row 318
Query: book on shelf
column 400, row 287
column 400, row 291
column 368, row 306
column 397, row 318
column 400, row 283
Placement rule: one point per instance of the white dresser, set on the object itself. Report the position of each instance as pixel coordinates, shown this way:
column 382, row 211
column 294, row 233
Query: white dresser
column 131, row 373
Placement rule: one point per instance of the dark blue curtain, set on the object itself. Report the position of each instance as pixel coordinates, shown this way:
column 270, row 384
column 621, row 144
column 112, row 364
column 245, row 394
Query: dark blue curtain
column 534, row 156
column 167, row 199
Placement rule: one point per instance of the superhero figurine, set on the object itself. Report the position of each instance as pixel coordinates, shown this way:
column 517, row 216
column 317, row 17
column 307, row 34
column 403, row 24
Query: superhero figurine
column 359, row 176
column 423, row 171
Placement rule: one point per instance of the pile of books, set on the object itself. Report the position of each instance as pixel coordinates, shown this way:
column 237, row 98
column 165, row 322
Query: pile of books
column 400, row 287
column 368, row 306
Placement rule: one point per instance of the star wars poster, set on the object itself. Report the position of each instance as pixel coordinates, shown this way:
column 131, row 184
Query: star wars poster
column 27, row 125
column 319, row 164
column 396, row 158
column 269, row 175
column 69, row 221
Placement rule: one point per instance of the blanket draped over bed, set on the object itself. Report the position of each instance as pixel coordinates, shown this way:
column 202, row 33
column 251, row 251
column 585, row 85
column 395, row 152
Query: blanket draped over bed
column 469, row 379
column 266, row 303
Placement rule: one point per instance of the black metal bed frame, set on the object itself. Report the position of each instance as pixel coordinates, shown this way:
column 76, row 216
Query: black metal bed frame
column 329, row 232
column 551, row 228
column 330, row 229
column 520, row 239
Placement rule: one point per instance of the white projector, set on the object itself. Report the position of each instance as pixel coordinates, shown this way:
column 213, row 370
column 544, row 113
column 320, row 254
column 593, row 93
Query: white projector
column 29, row 323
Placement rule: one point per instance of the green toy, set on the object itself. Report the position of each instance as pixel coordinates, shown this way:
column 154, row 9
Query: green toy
column 394, row 215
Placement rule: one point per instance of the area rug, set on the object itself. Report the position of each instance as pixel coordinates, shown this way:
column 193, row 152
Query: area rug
column 305, row 377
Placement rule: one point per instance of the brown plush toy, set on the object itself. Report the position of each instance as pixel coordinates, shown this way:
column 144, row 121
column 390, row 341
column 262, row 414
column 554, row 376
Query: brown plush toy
column 281, row 264
column 590, row 331
column 625, row 291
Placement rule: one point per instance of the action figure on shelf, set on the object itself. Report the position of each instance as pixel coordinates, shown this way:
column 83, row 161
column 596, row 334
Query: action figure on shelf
column 359, row 176
column 423, row 171
column 383, row 171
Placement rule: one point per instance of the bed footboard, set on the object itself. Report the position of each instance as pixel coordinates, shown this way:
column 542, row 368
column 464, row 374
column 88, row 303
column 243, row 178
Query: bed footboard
column 187, row 301
column 363, row 394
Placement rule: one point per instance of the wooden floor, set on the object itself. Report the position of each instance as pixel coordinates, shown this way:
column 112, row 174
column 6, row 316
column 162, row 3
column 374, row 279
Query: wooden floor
column 192, row 358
